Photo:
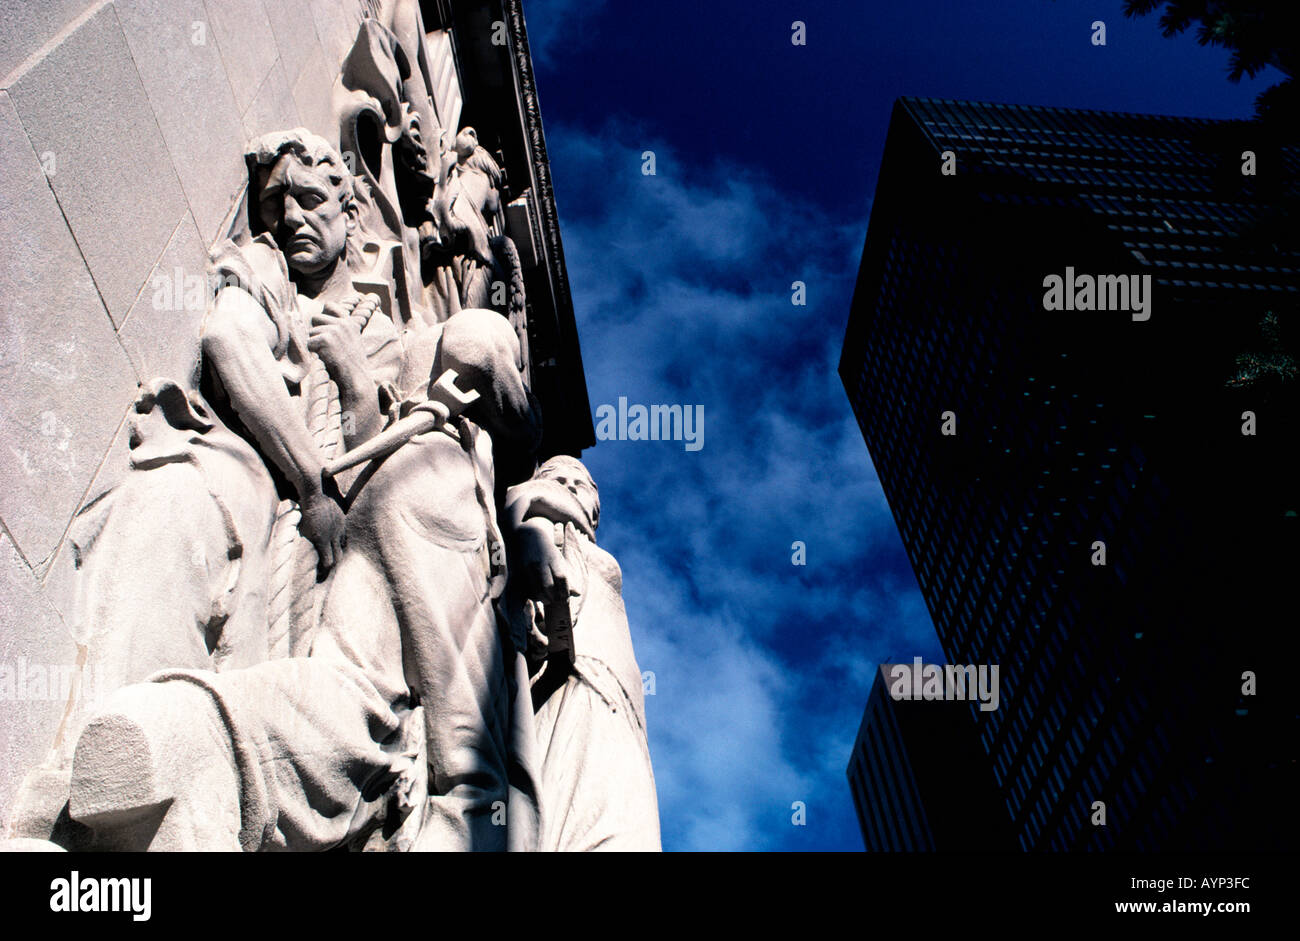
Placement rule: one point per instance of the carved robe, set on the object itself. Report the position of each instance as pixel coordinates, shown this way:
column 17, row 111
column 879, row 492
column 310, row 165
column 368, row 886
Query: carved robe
column 598, row 786
column 307, row 753
column 188, row 562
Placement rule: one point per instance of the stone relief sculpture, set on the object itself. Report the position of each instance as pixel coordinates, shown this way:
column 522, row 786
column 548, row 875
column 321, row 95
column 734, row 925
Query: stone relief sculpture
column 597, row 783
column 441, row 203
column 381, row 130
column 321, row 626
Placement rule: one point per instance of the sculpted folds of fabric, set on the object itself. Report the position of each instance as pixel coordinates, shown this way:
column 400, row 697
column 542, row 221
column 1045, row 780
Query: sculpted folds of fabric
column 318, row 599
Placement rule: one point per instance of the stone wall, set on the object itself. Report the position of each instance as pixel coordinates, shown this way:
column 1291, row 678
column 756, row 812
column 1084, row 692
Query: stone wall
column 121, row 129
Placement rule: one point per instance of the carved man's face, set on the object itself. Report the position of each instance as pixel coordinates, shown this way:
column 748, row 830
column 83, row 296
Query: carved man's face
column 579, row 483
column 303, row 210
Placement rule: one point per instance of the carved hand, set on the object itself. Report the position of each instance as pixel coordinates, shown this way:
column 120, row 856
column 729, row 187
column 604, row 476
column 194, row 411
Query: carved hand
column 550, row 501
column 540, row 562
column 336, row 338
column 322, row 523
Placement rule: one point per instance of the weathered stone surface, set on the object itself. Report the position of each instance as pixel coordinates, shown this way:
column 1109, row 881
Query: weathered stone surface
column 64, row 378
column 295, row 35
column 272, row 107
column 85, row 105
column 336, row 25
column 243, row 33
column 34, row 647
column 143, row 754
column 58, row 575
column 161, row 333
column 26, row 26
column 312, row 94
column 26, row 845
column 187, row 85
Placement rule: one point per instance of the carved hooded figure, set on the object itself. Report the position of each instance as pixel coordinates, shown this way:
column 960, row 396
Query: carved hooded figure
column 597, row 783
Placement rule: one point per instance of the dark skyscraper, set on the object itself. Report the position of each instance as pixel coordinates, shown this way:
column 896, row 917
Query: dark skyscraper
column 1097, row 487
column 920, row 780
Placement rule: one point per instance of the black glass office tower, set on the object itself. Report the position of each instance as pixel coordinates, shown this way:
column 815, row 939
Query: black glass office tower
column 920, row 781
column 1161, row 683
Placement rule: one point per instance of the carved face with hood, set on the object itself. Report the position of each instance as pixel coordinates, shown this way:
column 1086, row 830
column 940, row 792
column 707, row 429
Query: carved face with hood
column 572, row 474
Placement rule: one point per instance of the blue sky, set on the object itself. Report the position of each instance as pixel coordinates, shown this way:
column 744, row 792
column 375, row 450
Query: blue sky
column 766, row 159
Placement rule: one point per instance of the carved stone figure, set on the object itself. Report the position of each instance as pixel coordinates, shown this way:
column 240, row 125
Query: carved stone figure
column 439, row 199
column 321, row 598
column 314, row 752
column 382, row 131
column 207, row 554
column 306, row 750
column 597, row 783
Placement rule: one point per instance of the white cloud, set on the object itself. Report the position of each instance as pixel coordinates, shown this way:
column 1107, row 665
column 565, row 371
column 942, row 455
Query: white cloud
column 682, row 289
column 556, row 25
